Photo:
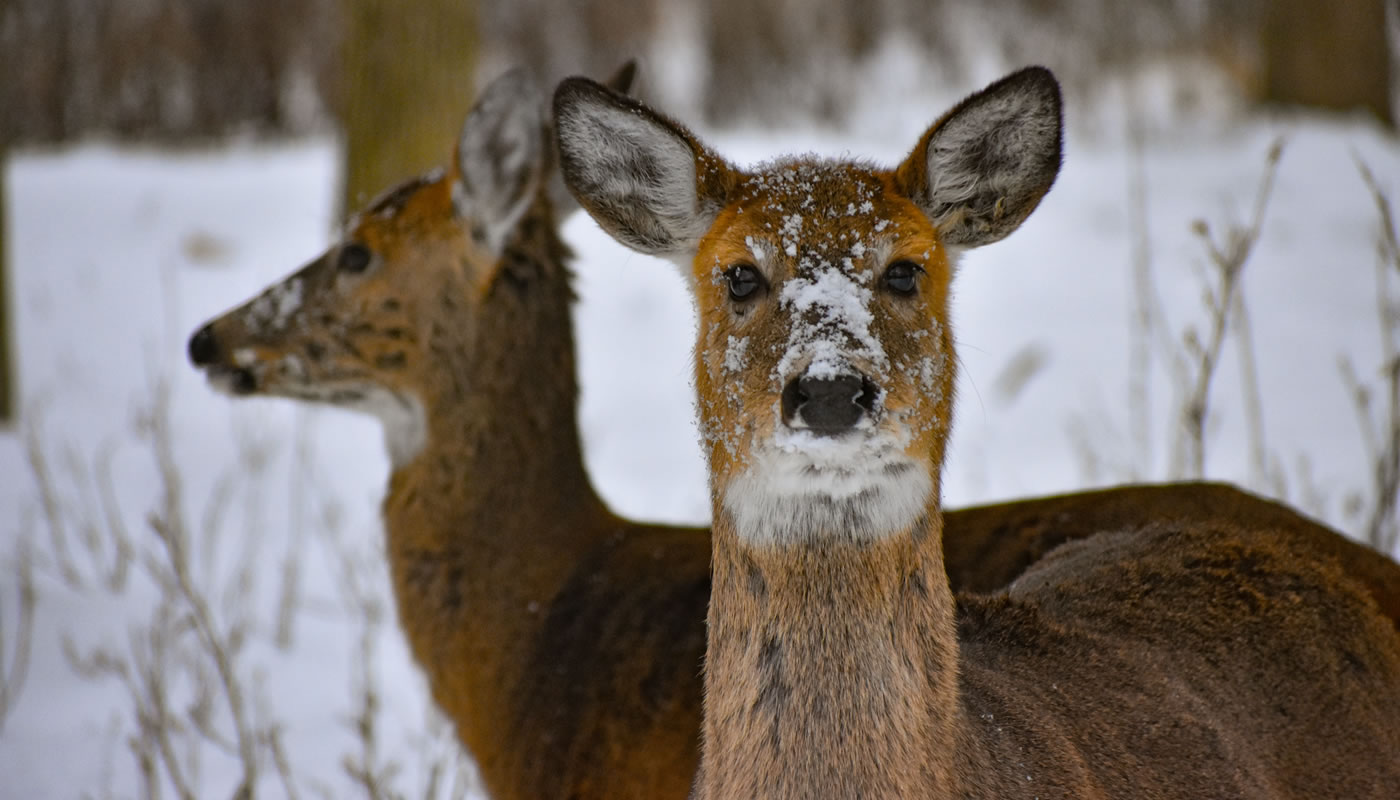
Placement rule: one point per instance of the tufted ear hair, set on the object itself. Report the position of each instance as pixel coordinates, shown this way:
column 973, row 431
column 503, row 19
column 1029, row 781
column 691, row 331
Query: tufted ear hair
column 560, row 199
column 645, row 179
column 982, row 169
column 500, row 158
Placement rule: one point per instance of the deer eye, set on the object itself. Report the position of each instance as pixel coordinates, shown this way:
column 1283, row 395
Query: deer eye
column 353, row 258
column 744, row 282
column 902, row 277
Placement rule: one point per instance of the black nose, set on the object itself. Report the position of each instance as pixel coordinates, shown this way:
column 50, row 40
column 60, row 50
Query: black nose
column 828, row 406
column 204, row 350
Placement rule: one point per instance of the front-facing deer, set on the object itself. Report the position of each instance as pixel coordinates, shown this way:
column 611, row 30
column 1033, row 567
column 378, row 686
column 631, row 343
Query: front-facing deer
column 1162, row 660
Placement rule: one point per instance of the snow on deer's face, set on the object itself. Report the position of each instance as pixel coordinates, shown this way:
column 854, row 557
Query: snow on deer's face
column 824, row 361
column 824, row 368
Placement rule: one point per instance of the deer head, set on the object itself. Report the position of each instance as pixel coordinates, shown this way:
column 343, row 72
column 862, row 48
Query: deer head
column 824, row 362
column 352, row 327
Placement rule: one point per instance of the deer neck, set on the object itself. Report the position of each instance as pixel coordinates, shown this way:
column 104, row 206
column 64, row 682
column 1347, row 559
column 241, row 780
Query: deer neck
column 486, row 522
column 832, row 666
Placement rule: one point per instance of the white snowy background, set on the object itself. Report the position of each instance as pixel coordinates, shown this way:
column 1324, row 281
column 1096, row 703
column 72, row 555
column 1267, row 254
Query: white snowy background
column 117, row 254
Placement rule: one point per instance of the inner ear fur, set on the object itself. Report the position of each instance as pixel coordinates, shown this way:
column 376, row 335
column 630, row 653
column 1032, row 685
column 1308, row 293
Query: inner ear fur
column 645, row 178
column 982, row 168
column 500, row 157
column 560, row 199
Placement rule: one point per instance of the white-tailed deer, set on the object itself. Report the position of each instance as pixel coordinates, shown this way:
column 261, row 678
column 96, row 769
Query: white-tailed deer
column 565, row 657
column 1212, row 657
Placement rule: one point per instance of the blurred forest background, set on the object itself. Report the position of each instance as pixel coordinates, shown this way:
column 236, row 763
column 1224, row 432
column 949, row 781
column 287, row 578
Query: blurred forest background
column 189, row 70
column 176, row 69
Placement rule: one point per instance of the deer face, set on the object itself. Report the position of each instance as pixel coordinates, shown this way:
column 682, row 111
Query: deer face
column 346, row 328
column 823, row 367
column 824, row 362
column 357, row 327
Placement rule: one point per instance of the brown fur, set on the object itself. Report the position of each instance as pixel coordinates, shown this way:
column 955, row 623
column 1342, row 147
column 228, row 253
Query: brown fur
column 1179, row 653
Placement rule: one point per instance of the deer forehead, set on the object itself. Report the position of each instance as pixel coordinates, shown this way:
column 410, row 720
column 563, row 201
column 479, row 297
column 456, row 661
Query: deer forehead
column 407, row 218
column 822, row 233
column 415, row 232
column 804, row 215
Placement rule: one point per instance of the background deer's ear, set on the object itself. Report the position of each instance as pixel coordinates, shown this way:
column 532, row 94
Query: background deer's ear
column 645, row 179
column 983, row 168
column 560, row 198
column 500, row 158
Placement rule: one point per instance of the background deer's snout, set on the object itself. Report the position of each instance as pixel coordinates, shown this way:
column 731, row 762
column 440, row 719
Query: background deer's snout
column 205, row 351
column 203, row 347
column 827, row 405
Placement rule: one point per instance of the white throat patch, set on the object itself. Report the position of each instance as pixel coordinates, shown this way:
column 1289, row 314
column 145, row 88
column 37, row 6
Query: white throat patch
column 858, row 487
column 404, row 419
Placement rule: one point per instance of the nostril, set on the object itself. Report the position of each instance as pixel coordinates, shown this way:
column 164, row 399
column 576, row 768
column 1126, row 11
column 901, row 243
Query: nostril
column 203, row 348
column 243, row 382
column 869, row 392
column 828, row 405
column 792, row 400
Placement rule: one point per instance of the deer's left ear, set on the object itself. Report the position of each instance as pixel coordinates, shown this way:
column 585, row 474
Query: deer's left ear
column 500, row 158
column 983, row 168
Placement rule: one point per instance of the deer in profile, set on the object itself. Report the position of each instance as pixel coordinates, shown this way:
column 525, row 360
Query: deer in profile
column 1206, row 658
column 566, row 659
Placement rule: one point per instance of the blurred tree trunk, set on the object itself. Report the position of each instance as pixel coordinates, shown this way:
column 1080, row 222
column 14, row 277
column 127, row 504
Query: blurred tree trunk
column 8, row 379
column 1329, row 54
column 408, row 85
column 8, row 20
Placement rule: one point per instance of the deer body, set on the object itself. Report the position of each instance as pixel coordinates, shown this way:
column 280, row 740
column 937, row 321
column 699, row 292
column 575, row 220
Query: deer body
column 566, row 659
column 1164, row 659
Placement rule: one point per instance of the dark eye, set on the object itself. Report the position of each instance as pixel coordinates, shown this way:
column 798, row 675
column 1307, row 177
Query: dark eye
column 902, row 277
column 353, row 258
column 744, row 282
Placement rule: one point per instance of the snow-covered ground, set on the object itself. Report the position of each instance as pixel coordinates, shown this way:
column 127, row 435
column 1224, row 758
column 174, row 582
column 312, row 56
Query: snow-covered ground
column 117, row 254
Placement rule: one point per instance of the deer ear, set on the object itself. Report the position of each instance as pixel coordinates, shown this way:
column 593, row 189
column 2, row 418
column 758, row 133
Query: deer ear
column 645, row 179
column 560, row 199
column 983, row 168
column 621, row 81
column 500, row 158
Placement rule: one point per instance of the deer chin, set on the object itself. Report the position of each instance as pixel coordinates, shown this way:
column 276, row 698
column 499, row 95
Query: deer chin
column 401, row 413
column 803, row 487
column 232, row 381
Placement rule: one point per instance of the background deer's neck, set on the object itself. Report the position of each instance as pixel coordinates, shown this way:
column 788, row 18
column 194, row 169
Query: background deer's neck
column 485, row 524
column 831, row 668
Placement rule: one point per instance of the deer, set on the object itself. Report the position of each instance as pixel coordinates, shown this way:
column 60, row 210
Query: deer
column 1161, row 657
column 565, row 659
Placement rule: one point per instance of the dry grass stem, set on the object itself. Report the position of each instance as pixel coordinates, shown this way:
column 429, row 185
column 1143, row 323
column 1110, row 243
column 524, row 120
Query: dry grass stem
column 1228, row 255
column 1382, row 436
column 17, row 647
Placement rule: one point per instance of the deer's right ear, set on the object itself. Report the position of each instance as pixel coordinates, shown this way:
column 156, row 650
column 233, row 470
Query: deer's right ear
column 636, row 172
column 500, row 158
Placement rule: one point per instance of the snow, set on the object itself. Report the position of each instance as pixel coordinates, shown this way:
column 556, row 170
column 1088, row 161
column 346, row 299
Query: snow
column 828, row 309
column 736, row 353
column 107, row 284
column 272, row 310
